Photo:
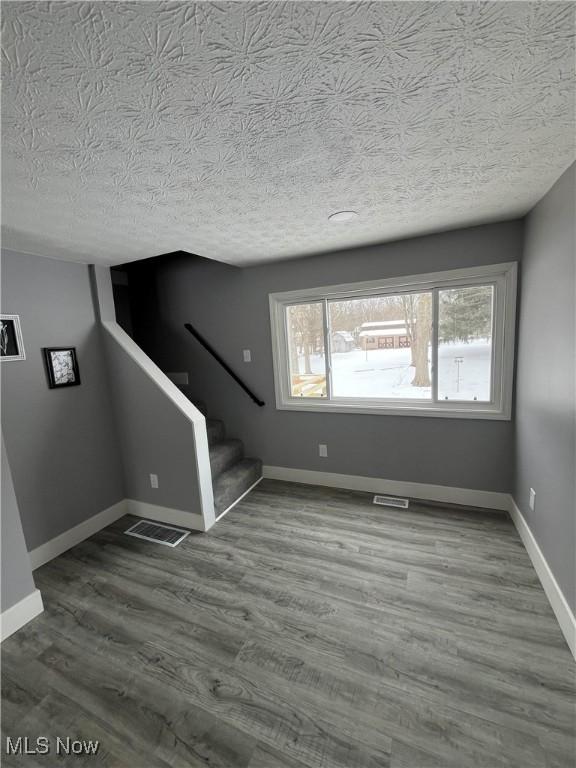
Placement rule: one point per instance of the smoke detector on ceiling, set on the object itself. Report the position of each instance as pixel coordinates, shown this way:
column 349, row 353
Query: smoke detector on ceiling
column 342, row 216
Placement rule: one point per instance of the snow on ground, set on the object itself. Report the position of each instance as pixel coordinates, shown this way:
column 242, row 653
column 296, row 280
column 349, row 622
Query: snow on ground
column 469, row 379
column 388, row 373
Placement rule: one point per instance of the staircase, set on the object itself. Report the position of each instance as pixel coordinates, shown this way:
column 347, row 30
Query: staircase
column 232, row 473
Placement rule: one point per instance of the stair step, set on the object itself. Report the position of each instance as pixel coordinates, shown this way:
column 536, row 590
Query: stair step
column 235, row 481
column 215, row 431
column 224, row 454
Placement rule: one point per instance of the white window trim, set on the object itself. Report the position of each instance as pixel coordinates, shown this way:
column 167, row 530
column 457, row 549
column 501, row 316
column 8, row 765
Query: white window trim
column 502, row 276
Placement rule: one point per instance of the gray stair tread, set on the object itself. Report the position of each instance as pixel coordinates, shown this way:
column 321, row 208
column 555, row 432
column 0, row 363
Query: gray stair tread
column 215, row 431
column 235, row 481
column 224, row 454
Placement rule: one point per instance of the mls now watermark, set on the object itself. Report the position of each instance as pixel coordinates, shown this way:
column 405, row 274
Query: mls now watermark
column 44, row 745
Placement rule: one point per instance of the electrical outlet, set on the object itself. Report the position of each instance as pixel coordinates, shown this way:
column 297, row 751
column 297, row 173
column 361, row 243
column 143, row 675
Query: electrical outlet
column 532, row 501
column 323, row 450
column 154, row 481
column 247, row 355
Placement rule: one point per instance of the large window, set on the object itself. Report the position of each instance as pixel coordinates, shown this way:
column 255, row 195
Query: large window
column 436, row 344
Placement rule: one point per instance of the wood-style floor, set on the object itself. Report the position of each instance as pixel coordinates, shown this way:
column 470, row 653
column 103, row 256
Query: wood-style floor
column 308, row 628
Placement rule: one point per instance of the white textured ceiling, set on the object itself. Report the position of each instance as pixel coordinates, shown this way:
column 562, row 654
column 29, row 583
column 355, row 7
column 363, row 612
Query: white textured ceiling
column 232, row 130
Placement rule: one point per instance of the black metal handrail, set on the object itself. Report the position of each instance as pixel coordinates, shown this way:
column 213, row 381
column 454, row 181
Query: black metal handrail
column 209, row 348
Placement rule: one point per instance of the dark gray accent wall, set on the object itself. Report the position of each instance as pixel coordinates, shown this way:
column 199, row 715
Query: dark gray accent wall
column 62, row 443
column 545, row 389
column 17, row 582
column 230, row 308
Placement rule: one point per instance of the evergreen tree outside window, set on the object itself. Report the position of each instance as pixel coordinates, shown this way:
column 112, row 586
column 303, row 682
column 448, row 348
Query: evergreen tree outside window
column 465, row 343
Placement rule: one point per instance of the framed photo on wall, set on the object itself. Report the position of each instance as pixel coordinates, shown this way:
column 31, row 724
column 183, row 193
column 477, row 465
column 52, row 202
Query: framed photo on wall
column 62, row 367
column 11, row 342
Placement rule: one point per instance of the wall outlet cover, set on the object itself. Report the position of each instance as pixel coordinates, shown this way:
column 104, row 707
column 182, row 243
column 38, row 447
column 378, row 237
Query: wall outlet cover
column 247, row 355
column 154, row 481
column 323, row 450
column 532, row 500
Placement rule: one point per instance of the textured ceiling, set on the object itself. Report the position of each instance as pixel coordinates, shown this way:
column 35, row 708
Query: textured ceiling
column 233, row 130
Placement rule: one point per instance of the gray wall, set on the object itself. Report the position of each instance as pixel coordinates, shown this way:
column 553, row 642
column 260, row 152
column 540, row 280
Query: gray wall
column 230, row 307
column 17, row 581
column 545, row 391
column 62, row 444
column 155, row 436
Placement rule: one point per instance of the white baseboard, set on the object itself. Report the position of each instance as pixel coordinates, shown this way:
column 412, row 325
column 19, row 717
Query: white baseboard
column 179, row 517
column 60, row 544
column 56, row 546
column 443, row 493
column 555, row 596
column 239, row 499
column 14, row 618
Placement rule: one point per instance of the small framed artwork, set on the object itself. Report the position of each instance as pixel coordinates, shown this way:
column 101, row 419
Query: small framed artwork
column 62, row 367
column 11, row 343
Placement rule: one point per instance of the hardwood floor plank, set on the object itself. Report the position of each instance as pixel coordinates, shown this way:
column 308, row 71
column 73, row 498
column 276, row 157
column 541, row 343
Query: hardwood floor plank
column 145, row 717
column 308, row 629
column 505, row 697
column 273, row 716
column 266, row 757
column 366, row 559
column 394, row 709
column 408, row 756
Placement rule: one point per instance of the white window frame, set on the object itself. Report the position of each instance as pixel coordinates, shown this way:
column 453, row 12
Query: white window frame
column 504, row 279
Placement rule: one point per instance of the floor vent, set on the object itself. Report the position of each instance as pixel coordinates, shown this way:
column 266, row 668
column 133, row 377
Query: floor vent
column 391, row 501
column 157, row 532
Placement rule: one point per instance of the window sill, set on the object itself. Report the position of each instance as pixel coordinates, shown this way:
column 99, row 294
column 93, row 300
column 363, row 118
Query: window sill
column 441, row 411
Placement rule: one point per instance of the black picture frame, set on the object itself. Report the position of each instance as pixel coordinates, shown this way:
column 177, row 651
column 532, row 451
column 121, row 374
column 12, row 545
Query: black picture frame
column 62, row 367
